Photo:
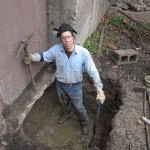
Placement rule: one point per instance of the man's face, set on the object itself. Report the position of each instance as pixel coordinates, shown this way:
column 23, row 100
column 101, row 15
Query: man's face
column 67, row 40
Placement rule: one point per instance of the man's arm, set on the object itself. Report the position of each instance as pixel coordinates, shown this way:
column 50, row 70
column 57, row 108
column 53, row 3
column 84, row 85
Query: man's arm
column 92, row 71
column 47, row 56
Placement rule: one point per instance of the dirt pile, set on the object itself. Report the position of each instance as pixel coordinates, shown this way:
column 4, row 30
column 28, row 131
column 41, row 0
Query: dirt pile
column 134, row 5
column 119, row 125
column 127, row 132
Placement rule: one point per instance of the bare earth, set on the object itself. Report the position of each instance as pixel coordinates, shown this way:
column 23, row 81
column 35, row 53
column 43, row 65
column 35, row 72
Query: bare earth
column 119, row 126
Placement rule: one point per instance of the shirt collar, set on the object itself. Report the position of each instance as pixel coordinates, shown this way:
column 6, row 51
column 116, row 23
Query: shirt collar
column 75, row 48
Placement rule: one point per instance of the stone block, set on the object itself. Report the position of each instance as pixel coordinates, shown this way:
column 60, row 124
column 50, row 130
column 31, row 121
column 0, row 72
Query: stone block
column 127, row 56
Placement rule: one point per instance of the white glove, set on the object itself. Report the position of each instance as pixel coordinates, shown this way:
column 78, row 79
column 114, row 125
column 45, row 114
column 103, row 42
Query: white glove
column 29, row 59
column 101, row 96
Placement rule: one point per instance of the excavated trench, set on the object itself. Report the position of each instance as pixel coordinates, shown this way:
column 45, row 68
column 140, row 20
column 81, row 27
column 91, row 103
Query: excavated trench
column 41, row 125
column 41, row 131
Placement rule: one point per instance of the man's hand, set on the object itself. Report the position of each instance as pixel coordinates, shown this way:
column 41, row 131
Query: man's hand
column 101, row 96
column 28, row 60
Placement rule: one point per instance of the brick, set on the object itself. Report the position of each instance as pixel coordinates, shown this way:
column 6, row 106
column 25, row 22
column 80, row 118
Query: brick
column 127, row 56
column 112, row 46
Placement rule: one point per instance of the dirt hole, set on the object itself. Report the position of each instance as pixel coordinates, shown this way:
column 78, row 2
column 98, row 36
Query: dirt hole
column 42, row 122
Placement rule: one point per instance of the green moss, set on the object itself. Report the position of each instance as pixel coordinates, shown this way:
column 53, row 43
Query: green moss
column 116, row 21
column 92, row 42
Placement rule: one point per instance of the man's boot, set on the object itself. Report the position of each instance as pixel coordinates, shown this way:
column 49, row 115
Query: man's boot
column 64, row 117
column 85, row 129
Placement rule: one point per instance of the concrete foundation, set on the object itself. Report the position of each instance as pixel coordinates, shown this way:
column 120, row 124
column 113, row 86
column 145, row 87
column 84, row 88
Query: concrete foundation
column 84, row 16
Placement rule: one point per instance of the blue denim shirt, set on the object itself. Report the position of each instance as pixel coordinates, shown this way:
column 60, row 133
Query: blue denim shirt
column 70, row 70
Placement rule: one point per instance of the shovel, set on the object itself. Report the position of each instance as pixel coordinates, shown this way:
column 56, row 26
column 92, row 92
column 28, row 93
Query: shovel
column 97, row 116
column 98, row 109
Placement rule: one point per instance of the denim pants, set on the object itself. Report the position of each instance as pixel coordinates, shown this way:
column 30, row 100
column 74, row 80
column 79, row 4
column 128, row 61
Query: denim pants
column 71, row 95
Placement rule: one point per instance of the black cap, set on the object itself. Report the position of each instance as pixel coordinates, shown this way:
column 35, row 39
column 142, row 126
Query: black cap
column 63, row 28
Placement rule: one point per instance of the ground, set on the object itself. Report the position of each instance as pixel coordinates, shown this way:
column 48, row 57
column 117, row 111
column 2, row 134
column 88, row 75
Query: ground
column 127, row 132
column 118, row 126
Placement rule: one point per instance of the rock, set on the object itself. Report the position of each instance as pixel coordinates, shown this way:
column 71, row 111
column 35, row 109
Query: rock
column 122, row 5
column 112, row 46
column 129, row 136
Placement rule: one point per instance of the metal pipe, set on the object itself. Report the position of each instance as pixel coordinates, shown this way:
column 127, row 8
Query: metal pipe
column 145, row 120
column 146, row 129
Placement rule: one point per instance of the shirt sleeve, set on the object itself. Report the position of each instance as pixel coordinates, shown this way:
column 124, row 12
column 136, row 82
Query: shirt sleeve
column 47, row 56
column 90, row 68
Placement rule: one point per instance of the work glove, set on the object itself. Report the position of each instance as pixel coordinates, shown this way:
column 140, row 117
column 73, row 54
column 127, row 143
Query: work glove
column 100, row 96
column 29, row 59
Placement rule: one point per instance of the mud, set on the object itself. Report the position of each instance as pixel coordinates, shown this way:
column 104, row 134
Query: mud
column 42, row 122
column 119, row 126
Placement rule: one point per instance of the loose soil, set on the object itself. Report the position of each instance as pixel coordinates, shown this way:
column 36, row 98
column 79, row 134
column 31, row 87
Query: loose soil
column 119, row 126
column 42, row 122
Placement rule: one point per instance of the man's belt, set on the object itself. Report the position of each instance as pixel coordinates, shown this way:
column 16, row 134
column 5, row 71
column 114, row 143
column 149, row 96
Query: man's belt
column 71, row 84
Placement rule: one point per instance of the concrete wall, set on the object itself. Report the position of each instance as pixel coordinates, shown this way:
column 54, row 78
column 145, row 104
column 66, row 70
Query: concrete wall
column 83, row 15
column 19, row 18
column 60, row 11
column 88, row 16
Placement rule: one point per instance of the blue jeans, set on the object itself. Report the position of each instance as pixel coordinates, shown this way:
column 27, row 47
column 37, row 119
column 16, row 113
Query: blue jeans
column 72, row 95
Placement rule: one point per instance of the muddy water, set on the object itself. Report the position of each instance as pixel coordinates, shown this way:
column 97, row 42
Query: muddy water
column 65, row 134
column 42, row 124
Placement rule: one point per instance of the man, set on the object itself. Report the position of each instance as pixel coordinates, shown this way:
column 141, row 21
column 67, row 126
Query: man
column 71, row 61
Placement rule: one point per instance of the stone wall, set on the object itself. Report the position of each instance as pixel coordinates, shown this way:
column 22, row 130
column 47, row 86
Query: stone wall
column 134, row 5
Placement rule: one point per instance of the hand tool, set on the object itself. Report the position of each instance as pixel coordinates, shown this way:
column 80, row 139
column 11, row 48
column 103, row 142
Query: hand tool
column 23, row 46
column 145, row 115
column 97, row 116
column 96, row 121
